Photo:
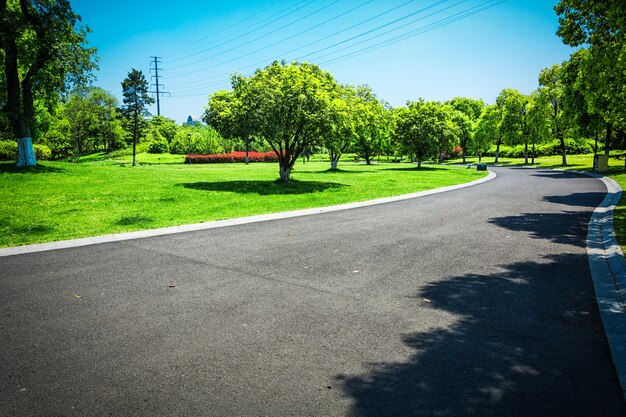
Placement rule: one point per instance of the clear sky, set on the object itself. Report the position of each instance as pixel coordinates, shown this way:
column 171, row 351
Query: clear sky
column 433, row 49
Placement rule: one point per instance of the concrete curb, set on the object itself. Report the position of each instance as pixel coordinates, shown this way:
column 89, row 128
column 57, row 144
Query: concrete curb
column 608, row 272
column 65, row 244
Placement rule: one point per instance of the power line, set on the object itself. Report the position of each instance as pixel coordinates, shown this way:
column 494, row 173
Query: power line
column 239, row 37
column 283, row 40
column 423, row 29
column 319, row 40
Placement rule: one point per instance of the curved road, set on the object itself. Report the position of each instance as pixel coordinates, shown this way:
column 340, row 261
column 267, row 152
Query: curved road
column 476, row 302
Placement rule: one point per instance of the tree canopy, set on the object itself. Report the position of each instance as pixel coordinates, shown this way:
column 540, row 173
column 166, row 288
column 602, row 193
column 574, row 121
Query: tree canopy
column 45, row 52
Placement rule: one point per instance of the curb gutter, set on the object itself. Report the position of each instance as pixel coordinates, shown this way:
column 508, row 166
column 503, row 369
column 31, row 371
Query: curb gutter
column 608, row 272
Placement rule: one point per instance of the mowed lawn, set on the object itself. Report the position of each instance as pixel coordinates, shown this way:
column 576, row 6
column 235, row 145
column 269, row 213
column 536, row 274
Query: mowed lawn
column 60, row 200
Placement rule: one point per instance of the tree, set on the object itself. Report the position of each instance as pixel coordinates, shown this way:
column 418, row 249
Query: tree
column 419, row 128
column 136, row 99
column 537, row 121
column 44, row 54
column 288, row 105
column 370, row 123
column 342, row 132
column 513, row 127
column 225, row 114
column 601, row 24
column 487, row 131
column 551, row 89
column 470, row 111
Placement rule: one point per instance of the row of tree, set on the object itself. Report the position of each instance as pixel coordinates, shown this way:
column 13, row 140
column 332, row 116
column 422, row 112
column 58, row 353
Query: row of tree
column 293, row 108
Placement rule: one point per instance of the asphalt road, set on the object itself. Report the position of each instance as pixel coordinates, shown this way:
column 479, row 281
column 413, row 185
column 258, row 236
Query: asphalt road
column 476, row 302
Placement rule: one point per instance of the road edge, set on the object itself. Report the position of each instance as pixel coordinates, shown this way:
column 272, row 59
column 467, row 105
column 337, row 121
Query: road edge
column 74, row 243
column 608, row 272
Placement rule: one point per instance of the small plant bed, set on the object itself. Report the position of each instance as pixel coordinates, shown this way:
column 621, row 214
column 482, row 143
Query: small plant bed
column 219, row 158
column 59, row 200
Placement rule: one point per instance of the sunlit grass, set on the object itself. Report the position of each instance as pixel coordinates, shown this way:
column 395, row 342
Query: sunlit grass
column 60, row 200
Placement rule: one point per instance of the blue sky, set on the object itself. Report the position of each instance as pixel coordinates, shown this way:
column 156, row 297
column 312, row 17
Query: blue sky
column 433, row 49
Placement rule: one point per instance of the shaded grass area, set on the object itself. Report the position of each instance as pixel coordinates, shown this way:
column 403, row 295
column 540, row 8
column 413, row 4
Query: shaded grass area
column 60, row 200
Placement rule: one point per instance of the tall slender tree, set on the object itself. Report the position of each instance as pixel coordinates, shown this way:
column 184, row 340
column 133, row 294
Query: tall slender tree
column 136, row 99
column 45, row 52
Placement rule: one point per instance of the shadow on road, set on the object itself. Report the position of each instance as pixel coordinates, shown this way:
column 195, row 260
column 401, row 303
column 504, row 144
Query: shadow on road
column 526, row 340
column 577, row 199
column 565, row 227
column 525, row 344
column 264, row 187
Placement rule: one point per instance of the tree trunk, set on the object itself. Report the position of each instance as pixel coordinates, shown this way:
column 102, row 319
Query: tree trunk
column 285, row 173
column 607, row 139
column 419, row 163
column 563, row 151
column 526, row 153
column 480, row 157
column 247, row 149
column 533, row 149
column 497, row 150
column 135, row 138
column 333, row 164
column 25, row 153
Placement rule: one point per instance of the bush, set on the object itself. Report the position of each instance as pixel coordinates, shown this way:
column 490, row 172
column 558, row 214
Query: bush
column 8, row 150
column 218, row 158
column 158, row 146
column 42, row 152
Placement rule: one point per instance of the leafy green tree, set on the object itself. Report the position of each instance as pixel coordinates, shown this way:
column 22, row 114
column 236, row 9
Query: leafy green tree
column 44, row 50
column 601, row 24
column 288, row 105
column 420, row 127
column 342, row 133
column 136, row 99
column 470, row 111
column 551, row 89
column 537, row 121
column 580, row 102
column 513, row 125
column 225, row 113
column 487, row 132
column 371, row 123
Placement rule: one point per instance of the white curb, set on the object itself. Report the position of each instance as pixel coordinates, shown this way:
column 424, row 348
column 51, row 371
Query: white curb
column 65, row 244
column 608, row 272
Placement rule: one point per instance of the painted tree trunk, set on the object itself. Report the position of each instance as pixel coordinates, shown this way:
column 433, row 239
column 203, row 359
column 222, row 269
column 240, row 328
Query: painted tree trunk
column 25, row 153
column 333, row 164
column 285, row 173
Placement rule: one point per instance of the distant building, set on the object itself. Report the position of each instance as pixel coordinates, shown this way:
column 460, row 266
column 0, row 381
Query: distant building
column 193, row 120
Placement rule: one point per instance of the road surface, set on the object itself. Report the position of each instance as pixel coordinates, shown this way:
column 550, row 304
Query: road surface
column 476, row 302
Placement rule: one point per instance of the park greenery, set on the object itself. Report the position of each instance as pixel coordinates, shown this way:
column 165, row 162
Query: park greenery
column 50, row 111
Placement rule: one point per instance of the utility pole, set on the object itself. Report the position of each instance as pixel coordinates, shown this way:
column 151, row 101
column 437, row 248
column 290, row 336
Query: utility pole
column 154, row 65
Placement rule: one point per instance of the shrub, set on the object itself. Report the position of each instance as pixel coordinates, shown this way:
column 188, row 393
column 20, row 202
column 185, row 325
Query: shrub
column 158, row 146
column 217, row 158
column 42, row 152
column 8, row 150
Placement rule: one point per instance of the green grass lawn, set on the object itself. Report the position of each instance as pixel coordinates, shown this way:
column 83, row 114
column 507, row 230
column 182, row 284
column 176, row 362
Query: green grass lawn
column 61, row 200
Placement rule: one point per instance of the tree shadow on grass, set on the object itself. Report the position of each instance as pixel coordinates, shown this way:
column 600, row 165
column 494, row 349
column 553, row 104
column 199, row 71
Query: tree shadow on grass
column 414, row 168
column 527, row 341
column 11, row 168
column 264, row 187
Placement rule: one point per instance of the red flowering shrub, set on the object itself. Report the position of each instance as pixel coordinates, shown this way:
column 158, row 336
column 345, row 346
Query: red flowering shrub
column 217, row 158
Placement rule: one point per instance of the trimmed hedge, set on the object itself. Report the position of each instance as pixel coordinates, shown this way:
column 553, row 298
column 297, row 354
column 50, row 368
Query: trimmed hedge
column 218, row 158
